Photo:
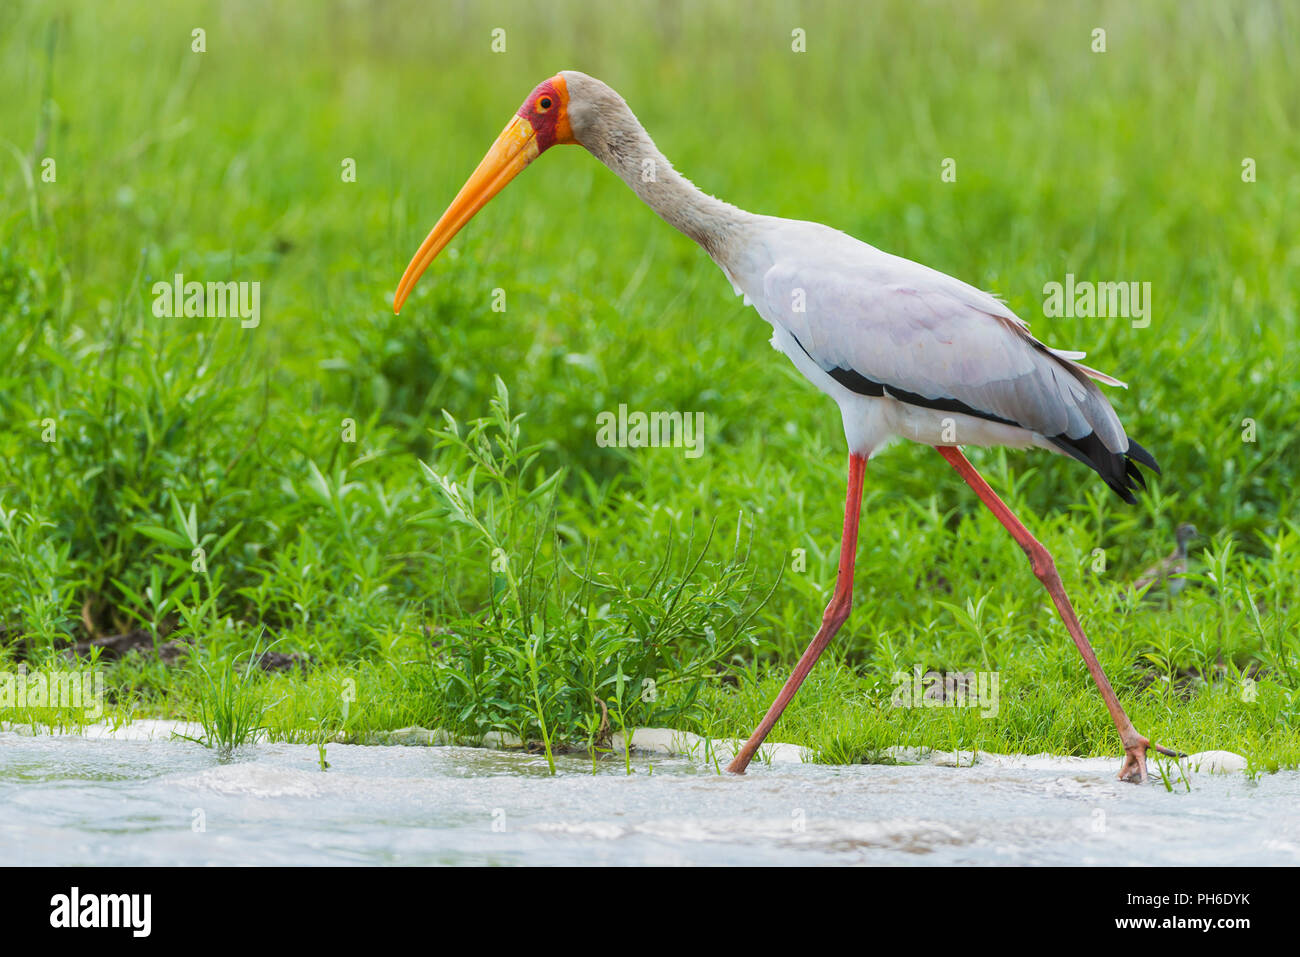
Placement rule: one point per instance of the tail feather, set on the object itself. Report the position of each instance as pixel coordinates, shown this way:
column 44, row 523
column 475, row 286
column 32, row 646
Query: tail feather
column 1119, row 470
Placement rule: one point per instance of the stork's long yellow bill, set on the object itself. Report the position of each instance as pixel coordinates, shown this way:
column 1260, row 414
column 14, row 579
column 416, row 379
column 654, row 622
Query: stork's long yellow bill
column 514, row 149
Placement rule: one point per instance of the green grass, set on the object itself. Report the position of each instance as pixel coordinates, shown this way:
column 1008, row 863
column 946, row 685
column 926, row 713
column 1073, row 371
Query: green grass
column 230, row 703
column 212, row 484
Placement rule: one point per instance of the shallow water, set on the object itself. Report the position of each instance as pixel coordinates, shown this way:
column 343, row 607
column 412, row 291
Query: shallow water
column 74, row 800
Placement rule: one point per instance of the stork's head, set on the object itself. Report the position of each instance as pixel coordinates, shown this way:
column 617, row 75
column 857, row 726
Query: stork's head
column 543, row 121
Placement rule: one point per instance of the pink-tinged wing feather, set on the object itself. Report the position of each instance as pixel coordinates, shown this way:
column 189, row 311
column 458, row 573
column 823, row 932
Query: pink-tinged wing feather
column 904, row 325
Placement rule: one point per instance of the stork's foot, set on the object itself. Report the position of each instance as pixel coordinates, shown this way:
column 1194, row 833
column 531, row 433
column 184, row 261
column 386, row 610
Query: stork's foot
column 1136, row 746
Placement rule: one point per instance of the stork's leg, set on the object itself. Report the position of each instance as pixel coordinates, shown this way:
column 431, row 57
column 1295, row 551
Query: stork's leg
column 1135, row 745
column 836, row 613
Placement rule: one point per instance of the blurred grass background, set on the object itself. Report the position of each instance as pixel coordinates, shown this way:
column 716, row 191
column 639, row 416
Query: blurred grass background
column 226, row 165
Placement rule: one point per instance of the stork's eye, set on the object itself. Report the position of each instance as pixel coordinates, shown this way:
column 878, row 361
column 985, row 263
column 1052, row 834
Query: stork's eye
column 543, row 104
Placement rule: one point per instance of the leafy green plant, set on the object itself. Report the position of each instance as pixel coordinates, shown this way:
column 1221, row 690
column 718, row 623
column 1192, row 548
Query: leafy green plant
column 555, row 639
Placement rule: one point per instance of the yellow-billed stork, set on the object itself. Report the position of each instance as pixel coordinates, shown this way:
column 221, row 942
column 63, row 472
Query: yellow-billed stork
column 904, row 350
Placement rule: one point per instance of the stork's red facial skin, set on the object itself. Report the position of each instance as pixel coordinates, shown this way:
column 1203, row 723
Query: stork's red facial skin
column 546, row 111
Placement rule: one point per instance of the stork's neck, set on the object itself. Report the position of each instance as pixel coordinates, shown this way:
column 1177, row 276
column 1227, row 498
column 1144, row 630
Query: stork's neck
column 624, row 146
